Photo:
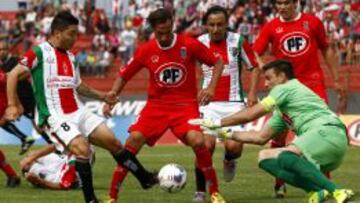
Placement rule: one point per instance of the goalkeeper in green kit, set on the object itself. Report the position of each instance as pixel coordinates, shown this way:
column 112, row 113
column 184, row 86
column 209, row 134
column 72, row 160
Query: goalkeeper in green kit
column 321, row 141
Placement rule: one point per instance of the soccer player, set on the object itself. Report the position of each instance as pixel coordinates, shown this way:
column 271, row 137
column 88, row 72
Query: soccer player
column 321, row 141
column 7, row 62
column 229, row 94
column 46, row 169
column 12, row 179
column 57, row 86
column 172, row 95
column 298, row 37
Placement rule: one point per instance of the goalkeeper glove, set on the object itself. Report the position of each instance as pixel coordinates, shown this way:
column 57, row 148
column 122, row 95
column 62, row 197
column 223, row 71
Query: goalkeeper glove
column 206, row 123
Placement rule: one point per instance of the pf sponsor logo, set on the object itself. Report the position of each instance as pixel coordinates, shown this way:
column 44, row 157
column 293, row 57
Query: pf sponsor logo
column 294, row 44
column 170, row 75
column 354, row 132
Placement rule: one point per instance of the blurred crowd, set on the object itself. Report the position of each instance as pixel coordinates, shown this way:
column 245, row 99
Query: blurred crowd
column 117, row 31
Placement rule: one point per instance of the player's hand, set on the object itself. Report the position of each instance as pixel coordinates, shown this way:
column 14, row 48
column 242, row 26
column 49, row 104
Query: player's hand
column 221, row 133
column 111, row 98
column 206, row 123
column 33, row 178
column 26, row 163
column 205, row 96
column 13, row 112
column 251, row 99
column 107, row 110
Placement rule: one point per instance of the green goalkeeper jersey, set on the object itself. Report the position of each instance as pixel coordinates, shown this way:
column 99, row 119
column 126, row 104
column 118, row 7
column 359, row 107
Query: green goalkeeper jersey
column 298, row 108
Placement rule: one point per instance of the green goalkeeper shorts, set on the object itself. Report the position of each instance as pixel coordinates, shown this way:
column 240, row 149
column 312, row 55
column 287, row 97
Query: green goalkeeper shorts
column 325, row 146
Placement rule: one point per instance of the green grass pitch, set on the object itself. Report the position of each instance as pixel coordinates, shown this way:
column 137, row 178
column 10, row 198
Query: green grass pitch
column 251, row 185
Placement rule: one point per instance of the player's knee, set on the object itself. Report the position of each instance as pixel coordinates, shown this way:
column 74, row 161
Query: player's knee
column 136, row 139
column 234, row 148
column 210, row 143
column 264, row 154
column 80, row 147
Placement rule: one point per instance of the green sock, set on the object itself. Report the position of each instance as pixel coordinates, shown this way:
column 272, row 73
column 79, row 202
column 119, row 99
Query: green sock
column 272, row 167
column 292, row 162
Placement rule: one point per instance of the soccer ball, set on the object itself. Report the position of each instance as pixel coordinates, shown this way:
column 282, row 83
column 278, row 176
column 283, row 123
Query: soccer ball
column 172, row 178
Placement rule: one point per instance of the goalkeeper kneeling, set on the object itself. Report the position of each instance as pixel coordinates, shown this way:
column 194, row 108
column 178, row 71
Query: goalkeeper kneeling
column 321, row 140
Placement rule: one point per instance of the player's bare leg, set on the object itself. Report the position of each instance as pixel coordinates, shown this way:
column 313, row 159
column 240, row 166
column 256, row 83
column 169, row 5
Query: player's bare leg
column 279, row 186
column 233, row 151
column 80, row 147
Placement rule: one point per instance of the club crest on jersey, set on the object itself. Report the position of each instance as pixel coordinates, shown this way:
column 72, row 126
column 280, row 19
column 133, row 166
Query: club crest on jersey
column 306, row 25
column 50, row 60
column 24, row 61
column 154, row 58
column 170, row 75
column 279, row 30
column 183, row 52
column 294, row 44
column 234, row 51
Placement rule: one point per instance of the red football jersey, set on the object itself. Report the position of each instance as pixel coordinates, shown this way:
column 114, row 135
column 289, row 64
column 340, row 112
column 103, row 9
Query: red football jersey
column 172, row 69
column 298, row 41
column 3, row 96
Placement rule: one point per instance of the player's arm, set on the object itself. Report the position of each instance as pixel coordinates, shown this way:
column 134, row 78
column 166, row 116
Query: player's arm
column 14, row 107
column 118, row 85
column 254, row 137
column 204, row 55
column 87, row 91
column 36, row 180
column 26, row 162
column 245, row 116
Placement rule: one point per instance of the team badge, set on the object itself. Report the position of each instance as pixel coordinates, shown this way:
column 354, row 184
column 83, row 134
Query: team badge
column 183, row 52
column 171, row 75
column 50, row 60
column 24, row 61
column 279, row 30
column 234, row 51
column 155, row 59
column 306, row 25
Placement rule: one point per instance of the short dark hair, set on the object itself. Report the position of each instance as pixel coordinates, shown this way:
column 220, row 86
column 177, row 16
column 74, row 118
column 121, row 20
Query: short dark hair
column 215, row 10
column 159, row 16
column 281, row 66
column 62, row 20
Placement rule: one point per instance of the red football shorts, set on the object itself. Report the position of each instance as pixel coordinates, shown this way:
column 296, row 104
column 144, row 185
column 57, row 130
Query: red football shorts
column 155, row 119
column 3, row 105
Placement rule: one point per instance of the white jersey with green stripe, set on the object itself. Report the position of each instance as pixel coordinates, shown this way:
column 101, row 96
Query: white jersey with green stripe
column 234, row 51
column 55, row 78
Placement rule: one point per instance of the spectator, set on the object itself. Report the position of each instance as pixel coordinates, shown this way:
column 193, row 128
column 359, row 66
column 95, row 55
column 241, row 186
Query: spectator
column 81, row 58
column 128, row 39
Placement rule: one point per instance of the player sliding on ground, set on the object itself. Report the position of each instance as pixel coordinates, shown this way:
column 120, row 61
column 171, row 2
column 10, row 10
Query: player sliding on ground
column 321, row 141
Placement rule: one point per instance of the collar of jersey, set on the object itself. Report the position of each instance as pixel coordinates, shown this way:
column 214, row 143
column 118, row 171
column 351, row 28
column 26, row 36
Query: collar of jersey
column 171, row 45
column 295, row 19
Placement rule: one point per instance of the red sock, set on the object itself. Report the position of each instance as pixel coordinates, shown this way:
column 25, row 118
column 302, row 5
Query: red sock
column 328, row 175
column 276, row 143
column 204, row 162
column 279, row 182
column 4, row 166
column 117, row 179
column 119, row 175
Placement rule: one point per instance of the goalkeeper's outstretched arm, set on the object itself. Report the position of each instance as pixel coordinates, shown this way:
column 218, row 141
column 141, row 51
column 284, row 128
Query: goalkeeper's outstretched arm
column 254, row 137
column 245, row 116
